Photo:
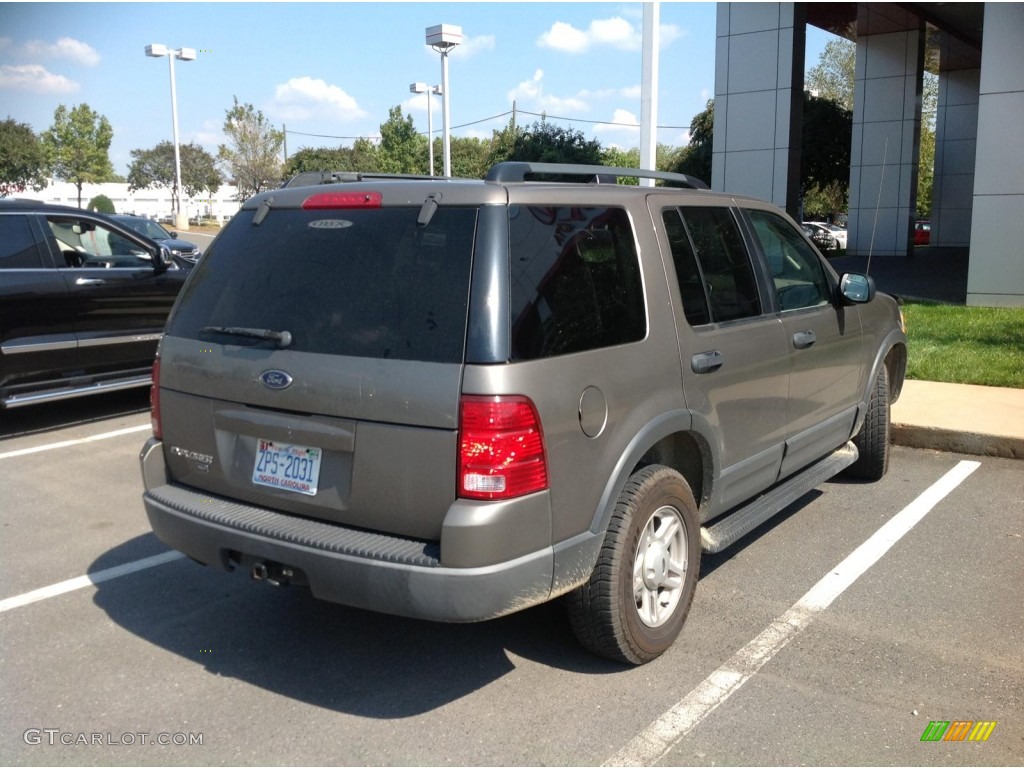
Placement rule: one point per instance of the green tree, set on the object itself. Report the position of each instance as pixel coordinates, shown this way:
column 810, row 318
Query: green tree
column 252, row 155
column 833, row 77
column 22, row 159
column 77, row 145
column 695, row 159
column 826, row 135
column 361, row 156
column 402, row 149
column 469, row 157
column 154, row 169
column 926, row 154
column 101, row 203
column 545, row 142
column 617, row 157
column 503, row 143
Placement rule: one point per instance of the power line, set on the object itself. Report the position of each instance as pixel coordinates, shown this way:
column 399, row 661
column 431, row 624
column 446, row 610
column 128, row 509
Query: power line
column 542, row 115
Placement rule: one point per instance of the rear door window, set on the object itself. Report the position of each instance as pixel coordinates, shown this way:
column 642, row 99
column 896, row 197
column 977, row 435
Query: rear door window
column 575, row 281
column 17, row 246
column 364, row 283
column 709, row 242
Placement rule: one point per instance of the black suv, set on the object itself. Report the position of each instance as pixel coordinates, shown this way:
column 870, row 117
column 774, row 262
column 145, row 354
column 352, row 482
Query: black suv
column 83, row 302
column 186, row 254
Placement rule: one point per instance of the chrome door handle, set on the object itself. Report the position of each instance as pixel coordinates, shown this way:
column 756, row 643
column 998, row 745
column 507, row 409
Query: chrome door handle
column 804, row 339
column 89, row 281
column 706, row 362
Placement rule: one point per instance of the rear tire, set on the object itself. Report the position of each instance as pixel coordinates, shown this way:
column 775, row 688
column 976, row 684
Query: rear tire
column 634, row 605
column 873, row 439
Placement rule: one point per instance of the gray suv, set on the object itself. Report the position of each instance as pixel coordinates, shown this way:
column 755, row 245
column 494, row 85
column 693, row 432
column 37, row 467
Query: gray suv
column 454, row 399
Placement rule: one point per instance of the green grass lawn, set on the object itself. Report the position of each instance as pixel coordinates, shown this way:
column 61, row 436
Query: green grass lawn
column 965, row 345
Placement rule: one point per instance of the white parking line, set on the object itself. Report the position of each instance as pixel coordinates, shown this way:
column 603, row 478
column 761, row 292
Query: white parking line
column 66, row 443
column 655, row 741
column 84, row 581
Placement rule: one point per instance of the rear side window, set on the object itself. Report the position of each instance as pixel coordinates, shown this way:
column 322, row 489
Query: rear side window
column 575, row 281
column 364, row 283
column 17, row 246
column 724, row 263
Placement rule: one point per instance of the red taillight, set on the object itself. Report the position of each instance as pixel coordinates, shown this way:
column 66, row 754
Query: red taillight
column 501, row 448
column 325, row 200
column 154, row 401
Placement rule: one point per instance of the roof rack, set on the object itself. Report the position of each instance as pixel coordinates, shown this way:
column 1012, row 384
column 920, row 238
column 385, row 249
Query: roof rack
column 313, row 178
column 598, row 174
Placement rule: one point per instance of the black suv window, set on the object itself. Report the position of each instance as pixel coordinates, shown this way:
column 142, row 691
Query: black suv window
column 723, row 261
column 364, row 283
column 86, row 243
column 796, row 270
column 575, row 281
column 17, row 246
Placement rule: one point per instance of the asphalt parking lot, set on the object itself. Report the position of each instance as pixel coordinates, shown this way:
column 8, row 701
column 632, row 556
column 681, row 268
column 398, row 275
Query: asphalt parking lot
column 114, row 651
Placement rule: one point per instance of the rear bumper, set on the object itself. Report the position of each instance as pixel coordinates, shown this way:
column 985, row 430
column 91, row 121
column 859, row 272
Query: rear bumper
column 376, row 572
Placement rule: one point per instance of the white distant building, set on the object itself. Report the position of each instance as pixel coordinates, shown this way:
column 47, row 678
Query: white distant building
column 153, row 203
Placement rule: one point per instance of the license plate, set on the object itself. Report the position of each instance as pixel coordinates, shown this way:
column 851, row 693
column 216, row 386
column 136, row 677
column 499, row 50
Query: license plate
column 288, row 467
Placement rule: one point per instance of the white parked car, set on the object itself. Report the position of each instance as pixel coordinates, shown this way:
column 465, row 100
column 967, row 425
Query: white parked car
column 839, row 233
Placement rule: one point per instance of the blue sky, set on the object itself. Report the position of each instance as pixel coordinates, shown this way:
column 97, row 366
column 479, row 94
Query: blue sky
column 335, row 69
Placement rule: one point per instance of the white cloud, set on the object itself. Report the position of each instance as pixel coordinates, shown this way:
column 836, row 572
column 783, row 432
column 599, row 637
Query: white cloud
column 304, row 98
column 64, row 48
column 531, row 92
column 564, row 37
column 471, row 46
column 35, row 78
column 670, row 33
column 615, row 32
column 626, row 124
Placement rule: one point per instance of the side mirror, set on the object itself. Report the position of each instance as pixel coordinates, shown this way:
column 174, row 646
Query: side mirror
column 856, row 288
column 164, row 260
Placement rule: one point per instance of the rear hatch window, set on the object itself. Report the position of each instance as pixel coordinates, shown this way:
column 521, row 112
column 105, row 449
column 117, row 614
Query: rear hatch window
column 347, row 411
column 360, row 283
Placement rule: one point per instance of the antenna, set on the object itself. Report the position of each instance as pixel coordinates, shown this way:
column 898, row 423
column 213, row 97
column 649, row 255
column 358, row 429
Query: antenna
column 871, row 246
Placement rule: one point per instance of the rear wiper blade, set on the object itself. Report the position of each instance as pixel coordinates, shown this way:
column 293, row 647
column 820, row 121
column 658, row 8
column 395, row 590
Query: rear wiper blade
column 283, row 338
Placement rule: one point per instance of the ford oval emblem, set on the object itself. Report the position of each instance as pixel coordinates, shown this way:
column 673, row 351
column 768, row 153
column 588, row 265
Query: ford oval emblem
column 274, row 379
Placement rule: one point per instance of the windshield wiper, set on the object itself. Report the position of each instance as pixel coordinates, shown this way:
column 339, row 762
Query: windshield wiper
column 283, row 338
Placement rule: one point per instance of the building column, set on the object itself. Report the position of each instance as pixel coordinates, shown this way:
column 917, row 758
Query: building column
column 886, row 140
column 759, row 71
column 995, row 274
column 956, row 139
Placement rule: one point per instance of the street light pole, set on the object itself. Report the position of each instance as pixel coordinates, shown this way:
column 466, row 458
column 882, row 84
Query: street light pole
column 430, row 90
column 156, row 50
column 443, row 38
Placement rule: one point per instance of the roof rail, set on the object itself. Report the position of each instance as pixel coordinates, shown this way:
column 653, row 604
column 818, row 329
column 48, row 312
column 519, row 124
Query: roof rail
column 313, row 178
column 598, row 174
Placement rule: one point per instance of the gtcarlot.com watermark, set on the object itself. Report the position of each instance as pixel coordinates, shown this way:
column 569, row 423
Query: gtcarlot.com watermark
column 55, row 736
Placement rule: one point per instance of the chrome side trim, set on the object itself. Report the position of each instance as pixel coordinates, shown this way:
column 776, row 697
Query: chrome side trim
column 56, row 343
column 15, row 401
column 52, row 343
column 100, row 341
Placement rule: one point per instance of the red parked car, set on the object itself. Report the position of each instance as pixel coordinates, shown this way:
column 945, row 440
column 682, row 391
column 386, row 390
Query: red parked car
column 922, row 232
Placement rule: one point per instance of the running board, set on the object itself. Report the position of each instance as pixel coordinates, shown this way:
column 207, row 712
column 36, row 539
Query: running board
column 65, row 393
column 737, row 524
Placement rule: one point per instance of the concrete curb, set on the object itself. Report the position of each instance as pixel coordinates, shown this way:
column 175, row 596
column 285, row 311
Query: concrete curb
column 952, row 441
